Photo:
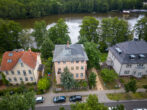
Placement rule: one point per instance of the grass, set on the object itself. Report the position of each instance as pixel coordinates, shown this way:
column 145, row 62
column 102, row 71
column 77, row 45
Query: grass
column 127, row 96
column 140, row 82
column 103, row 57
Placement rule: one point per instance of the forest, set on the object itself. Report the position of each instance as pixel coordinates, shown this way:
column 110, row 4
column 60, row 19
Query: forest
column 15, row 9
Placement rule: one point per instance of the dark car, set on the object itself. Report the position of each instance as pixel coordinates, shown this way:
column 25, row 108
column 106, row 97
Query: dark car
column 59, row 99
column 75, row 98
column 39, row 99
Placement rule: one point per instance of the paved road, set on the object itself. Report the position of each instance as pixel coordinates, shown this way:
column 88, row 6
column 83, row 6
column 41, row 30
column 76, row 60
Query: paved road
column 129, row 105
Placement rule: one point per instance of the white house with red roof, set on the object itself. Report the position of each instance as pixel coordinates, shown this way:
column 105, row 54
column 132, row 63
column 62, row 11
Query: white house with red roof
column 19, row 65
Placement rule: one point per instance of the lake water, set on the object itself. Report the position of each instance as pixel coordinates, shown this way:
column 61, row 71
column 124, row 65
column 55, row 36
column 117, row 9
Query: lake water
column 74, row 21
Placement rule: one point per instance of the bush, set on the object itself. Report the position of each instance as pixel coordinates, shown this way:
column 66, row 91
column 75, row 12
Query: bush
column 144, row 86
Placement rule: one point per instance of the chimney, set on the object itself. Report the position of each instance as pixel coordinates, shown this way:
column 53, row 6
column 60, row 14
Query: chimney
column 67, row 44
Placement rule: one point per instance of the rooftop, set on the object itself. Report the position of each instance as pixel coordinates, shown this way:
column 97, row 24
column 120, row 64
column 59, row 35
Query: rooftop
column 73, row 52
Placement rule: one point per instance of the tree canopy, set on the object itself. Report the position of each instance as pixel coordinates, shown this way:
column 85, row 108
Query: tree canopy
column 108, row 75
column 67, row 80
column 131, row 86
column 93, row 54
column 88, row 31
column 92, row 79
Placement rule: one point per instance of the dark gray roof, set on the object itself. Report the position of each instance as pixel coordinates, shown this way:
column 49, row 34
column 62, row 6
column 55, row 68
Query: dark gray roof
column 130, row 48
column 75, row 52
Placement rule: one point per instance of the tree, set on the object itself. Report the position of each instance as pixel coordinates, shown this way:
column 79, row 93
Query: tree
column 47, row 48
column 59, row 33
column 9, row 35
column 119, row 107
column 61, row 108
column 102, row 46
column 43, row 84
column 92, row 79
column 131, row 86
column 141, row 28
column 48, row 65
column 88, row 30
column 23, row 101
column 93, row 54
column 90, row 104
column 39, row 32
column 114, row 30
column 25, row 39
column 108, row 75
column 67, row 80
column 4, row 80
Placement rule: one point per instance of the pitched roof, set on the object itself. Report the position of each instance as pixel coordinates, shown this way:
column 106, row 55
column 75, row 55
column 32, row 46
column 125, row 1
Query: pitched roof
column 75, row 52
column 130, row 48
column 10, row 59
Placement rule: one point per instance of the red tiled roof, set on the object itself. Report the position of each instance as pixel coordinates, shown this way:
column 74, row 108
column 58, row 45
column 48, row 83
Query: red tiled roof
column 27, row 57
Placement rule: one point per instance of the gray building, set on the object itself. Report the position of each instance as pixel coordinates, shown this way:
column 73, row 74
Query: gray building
column 129, row 58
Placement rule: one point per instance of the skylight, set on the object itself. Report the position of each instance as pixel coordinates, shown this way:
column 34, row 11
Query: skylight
column 118, row 50
column 9, row 60
column 132, row 57
column 141, row 56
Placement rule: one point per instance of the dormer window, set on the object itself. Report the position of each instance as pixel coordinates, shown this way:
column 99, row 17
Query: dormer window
column 9, row 61
column 118, row 50
column 132, row 57
column 10, row 54
column 141, row 56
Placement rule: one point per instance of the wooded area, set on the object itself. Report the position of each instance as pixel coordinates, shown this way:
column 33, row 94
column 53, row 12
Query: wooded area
column 36, row 8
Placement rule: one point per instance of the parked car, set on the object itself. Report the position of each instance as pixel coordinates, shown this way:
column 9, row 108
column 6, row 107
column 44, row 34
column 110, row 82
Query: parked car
column 75, row 98
column 59, row 99
column 140, row 109
column 39, row 99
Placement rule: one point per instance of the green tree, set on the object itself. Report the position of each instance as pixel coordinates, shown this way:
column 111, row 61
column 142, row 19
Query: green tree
column 25, row 39
column 119, row 107
column 43, row 84
column 141, row 28
column 47, row 48
column 93, row 54
column 92, row 79
column 59, row 33
column 90, row 104
column 131, row 86
column 108, row 75
column 4, row 80
column 102, row 46
column 67, row 80
column 23, row 101
column 61, row 108
column 114, row 30
column 48, row 65
column 9, row 35
column 88, row 30
column 39, row 32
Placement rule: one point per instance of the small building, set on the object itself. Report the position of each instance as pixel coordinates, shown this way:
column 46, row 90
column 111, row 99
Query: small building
column 73, row 57
column 129, row 58
column 21, row 66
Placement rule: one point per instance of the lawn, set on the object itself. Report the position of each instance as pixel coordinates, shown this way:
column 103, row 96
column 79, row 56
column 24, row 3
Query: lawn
column 103, row 57
column 140, row 82
column 127, row 96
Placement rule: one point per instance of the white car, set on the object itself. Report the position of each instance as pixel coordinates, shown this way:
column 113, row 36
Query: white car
column 39, row 99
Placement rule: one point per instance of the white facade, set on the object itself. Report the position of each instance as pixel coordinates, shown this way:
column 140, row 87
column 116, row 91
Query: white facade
column 137, row 70
column 22, row 72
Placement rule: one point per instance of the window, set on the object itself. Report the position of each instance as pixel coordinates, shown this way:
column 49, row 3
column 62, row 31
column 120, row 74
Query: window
column 20, row 79
column 81, row 75
column 18, row 72
column 15, row 79
column 72, row 61
column 10, row 54
column 141, row 56
column 24, row 72
column 26, row 79
column 132, row 57
column 22, row 65
column 134, row 72
column 140, row 65
column 82, row 61
column 7, row 73
column 72, row 68
column 128, row 66
column 139, row 74
column 77, row 68
column 58, row 62
column 64, row 62
column 9, row 79
column 82, row 67
column 59, row 70
column 72, row 75
column 9, row 61
column 30, row 72
column 127, row 72
column 77, row 75
column 77, row 61
column 31, row 78
column 12, row 72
